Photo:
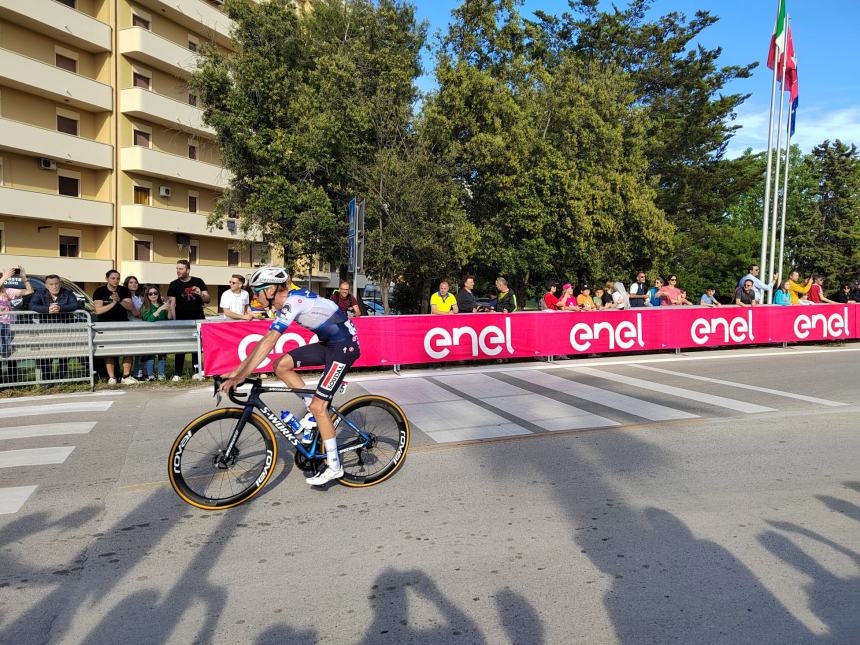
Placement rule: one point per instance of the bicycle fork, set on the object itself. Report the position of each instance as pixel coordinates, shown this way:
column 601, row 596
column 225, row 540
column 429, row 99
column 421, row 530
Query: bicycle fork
column 227, row 456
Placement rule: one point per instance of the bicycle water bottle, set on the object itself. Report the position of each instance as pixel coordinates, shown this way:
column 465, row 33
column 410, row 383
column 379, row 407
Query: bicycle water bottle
column 288, row 418
column 307, row 424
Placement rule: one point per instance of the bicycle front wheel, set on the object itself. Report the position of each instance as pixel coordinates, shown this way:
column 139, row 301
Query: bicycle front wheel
column 372, row 438
column 203, row 473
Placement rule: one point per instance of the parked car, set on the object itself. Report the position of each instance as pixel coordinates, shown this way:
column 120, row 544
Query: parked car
column 38, row 282
column 373, row 308
column 486, row 303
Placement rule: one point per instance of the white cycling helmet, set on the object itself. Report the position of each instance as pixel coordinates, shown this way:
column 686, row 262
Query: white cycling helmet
column 268, row 276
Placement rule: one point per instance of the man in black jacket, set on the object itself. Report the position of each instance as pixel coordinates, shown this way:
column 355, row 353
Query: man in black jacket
column 55, row 303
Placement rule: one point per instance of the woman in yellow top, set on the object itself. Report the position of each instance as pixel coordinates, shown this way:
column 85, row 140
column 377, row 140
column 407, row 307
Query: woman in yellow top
column 796, row 289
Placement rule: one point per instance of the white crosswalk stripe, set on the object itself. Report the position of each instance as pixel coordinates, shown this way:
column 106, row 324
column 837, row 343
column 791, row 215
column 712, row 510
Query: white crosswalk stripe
column 743, row 386
column 677, row 392
column 22, row 461
column 631, row 405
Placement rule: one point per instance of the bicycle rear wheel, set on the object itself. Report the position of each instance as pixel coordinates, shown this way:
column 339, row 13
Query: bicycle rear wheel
column 202, row 473
column 372, row 438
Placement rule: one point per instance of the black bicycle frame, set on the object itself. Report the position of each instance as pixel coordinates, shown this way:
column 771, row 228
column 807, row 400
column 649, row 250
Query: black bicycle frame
column 252, row 401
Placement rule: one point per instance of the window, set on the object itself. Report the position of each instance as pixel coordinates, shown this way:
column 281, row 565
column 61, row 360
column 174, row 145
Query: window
column 194, row 252
column 66, row 62
column 192, row 151
column 193, row 43
column 67, row 125
column 1, row 171
column 70, row 246
column 232, row 258
column 138, row 20
column 141, row 195
column 140, row 80
column 192, row 100
column 69, row 3
column 143, row 250
column 2, row 239
column 142, row 138
column 69, row 186
column 192, row 202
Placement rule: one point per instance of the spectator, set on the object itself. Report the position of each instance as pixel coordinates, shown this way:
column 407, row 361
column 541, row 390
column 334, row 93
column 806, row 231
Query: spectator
column 843, row 296
column 796, row 288
column 759, row 287
column 153, row 310
column 345, row 301
column 782, row 296
column 549, row 301
column 235, row 302
column 606, row 296
column 566, row 301
column 137, row 299
column 619, row 296
column 670, row 294
column 708, row 300
column 186, row 296
column 466, row 301
column 8, row 297
column 745, row 297
column 683, row 298
column 584, row 299
column 816, row 292
column 655, row 293
column 506, row 301
column 639, row 291
column 258, row 310
column 598, row 298
column 113, row 304
column 443, row 302
column 855, row 292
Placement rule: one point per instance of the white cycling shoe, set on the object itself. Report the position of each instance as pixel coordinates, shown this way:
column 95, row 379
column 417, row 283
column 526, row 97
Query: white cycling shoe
column 329, row 474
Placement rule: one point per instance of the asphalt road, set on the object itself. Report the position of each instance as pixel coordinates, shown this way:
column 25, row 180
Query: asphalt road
column 709, row 498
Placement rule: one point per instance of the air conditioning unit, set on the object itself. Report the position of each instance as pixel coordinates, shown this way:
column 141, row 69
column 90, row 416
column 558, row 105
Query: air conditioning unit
column 164, row 191
column 47, row 164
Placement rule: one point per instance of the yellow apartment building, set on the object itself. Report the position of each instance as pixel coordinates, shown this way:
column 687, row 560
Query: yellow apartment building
column 104, row 158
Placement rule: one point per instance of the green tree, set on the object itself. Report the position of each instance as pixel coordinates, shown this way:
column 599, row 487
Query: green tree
column 825, row 237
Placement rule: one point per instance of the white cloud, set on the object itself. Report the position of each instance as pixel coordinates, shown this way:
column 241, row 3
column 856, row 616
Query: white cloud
column 814, row 125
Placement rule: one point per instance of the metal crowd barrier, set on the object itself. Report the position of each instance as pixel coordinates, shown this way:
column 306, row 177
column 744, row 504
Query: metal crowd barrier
column 144, row 338
column 45, row 348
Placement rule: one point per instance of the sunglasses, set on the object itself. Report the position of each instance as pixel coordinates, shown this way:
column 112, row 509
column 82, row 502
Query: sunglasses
column 152, row 293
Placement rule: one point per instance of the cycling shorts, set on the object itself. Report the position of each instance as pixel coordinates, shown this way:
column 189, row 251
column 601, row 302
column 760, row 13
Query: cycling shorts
column 336, row 358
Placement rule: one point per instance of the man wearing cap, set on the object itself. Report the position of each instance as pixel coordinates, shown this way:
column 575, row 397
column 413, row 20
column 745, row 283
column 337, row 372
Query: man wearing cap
column 584, row 299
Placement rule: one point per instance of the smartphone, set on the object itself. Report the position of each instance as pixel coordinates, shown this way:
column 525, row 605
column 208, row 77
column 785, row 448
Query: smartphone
column 17, row 271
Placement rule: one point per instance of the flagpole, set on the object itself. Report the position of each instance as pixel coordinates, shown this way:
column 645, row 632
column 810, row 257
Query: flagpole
column 766, row 215
column 769, row 275
column 784, row 197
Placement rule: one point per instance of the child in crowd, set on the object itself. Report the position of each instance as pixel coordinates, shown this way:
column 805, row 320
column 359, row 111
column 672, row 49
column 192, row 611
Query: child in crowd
column 598, row 298
column 655, row 295
column 584, row 299
column 783, row 294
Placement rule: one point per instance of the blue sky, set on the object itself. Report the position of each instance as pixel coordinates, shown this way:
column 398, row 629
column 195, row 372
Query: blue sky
column 823, row 29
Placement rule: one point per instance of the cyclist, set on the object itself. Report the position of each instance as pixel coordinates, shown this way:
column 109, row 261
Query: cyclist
column 337, row 350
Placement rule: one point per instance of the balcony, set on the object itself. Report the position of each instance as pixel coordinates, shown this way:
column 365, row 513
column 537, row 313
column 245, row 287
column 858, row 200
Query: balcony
column 171, row 221
column 149, row 48
column 167, row 166
column 60, row 22
column 32, row 140
column 195, row 15
column 75, row 269
column 55, row 208
column 35, row 77
column 165, row 273
column 141, row 103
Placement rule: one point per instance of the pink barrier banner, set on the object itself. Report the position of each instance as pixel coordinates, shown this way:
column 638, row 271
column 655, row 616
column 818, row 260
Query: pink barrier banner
column 405, row 340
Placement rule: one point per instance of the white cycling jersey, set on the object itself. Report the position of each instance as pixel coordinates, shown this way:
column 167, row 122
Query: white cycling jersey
column 320, row 315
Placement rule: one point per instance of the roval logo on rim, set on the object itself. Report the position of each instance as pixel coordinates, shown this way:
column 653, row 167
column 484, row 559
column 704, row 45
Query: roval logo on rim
column 623, row 335
column 737, row 329
column 490, row 341
column 833, row 326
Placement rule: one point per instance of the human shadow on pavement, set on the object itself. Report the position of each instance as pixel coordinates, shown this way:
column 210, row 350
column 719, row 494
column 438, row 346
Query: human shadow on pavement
column 855, row 486
column 283, row 634
column 96, row 569
column 833, row 599
column 665, row 583
column 154, row 613
column 843, row 506
column 520, row 620
column 391, row 596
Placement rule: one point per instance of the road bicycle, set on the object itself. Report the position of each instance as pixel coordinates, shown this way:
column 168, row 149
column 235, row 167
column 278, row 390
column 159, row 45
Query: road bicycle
column 227, row 455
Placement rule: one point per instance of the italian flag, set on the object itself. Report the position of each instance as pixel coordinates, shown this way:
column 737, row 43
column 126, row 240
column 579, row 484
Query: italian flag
column 777, row 42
